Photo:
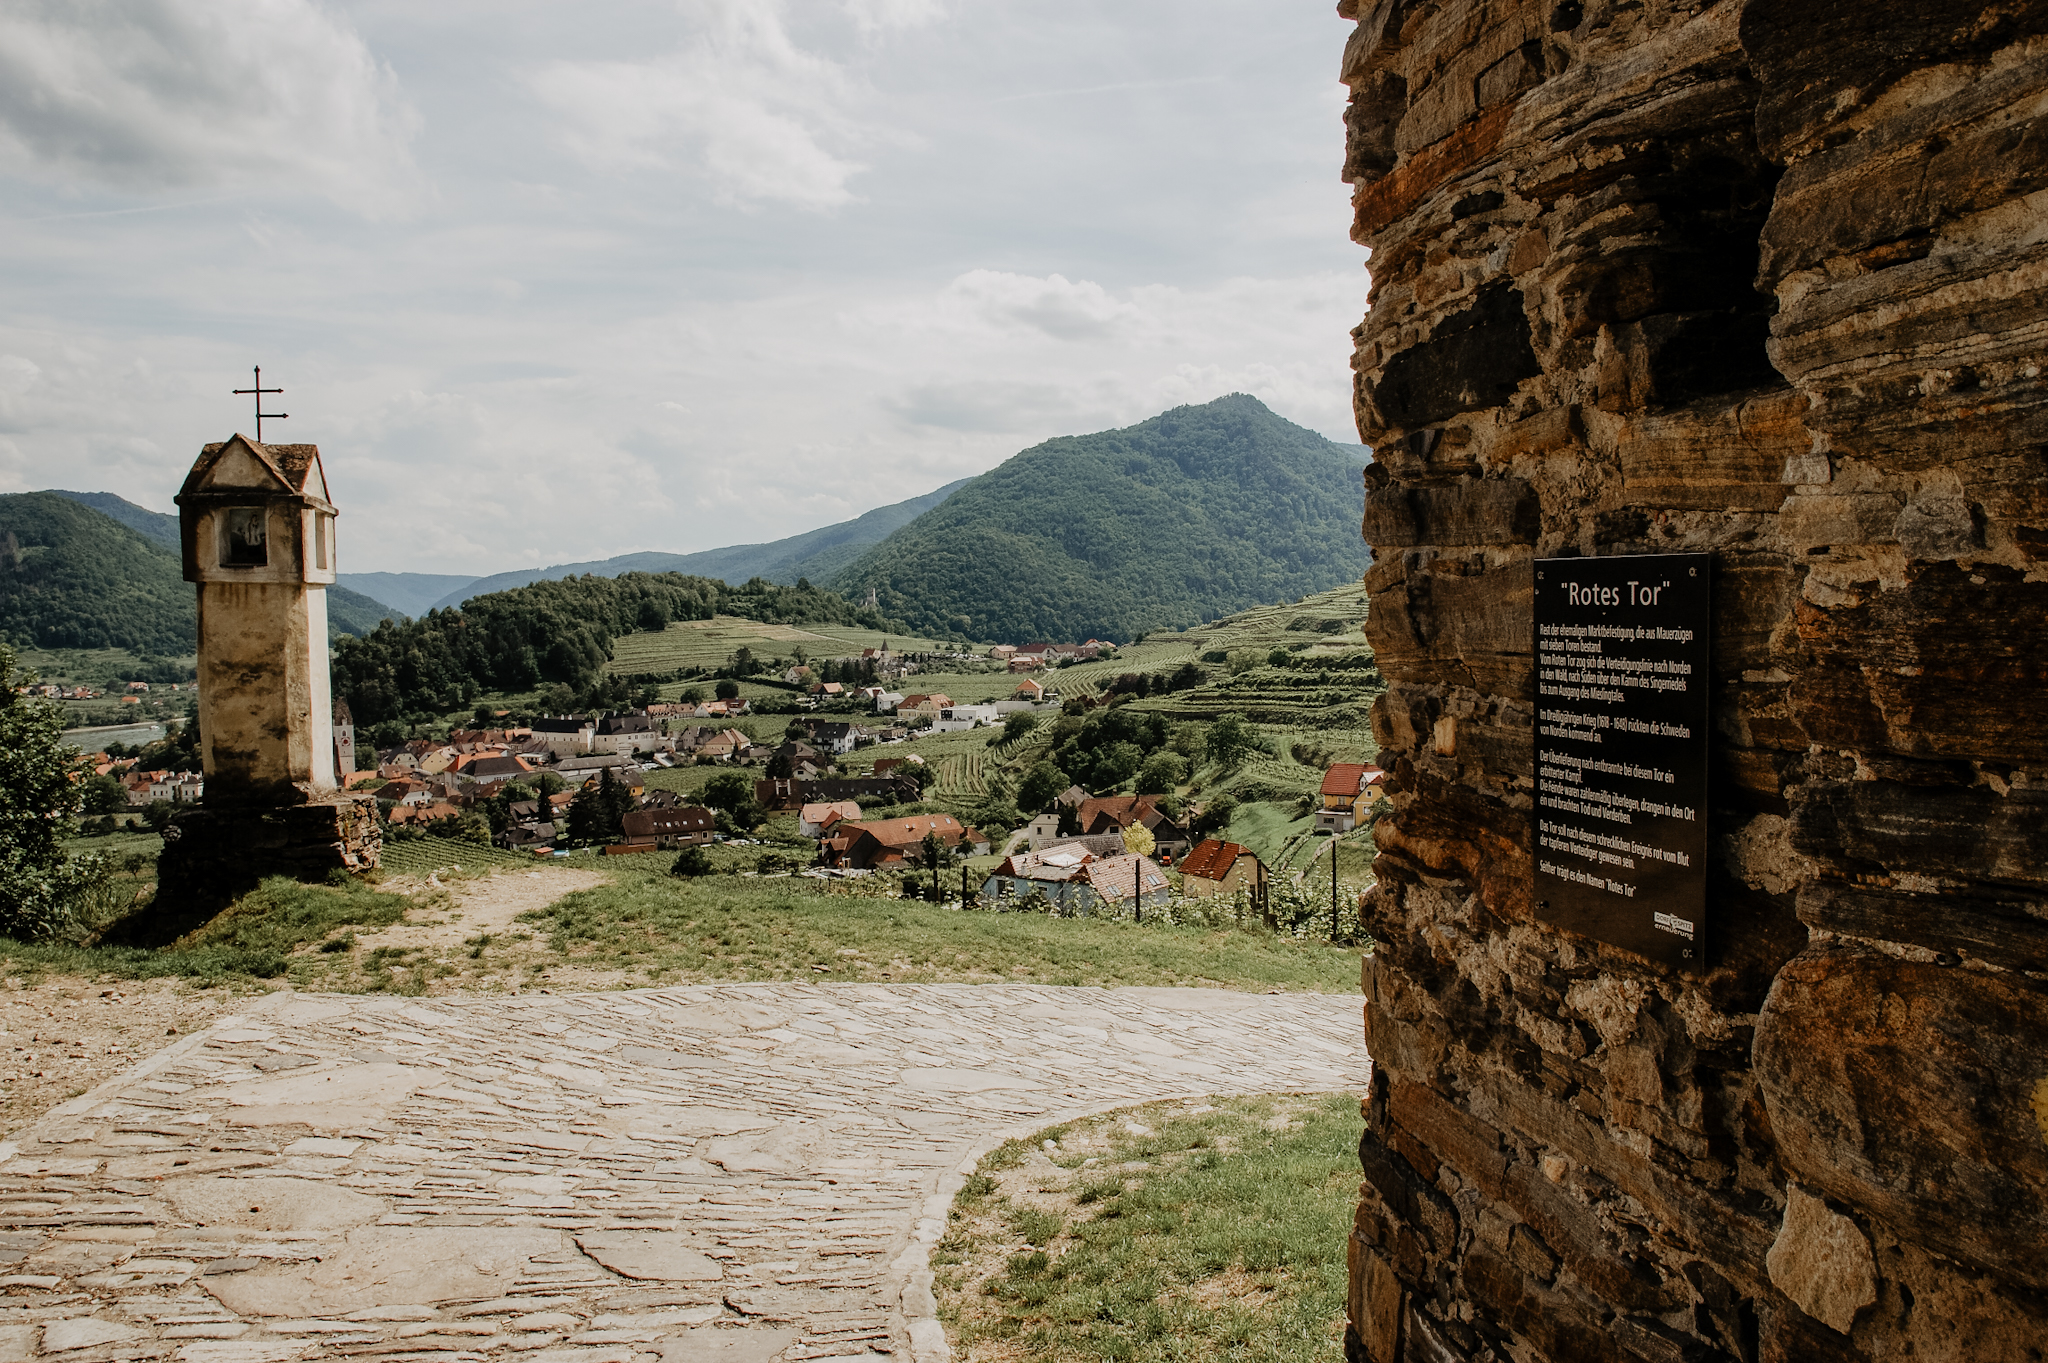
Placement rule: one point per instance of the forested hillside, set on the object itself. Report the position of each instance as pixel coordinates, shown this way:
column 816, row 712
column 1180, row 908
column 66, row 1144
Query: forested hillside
column 72, row 577
column 550, row 632
column 1196, row 513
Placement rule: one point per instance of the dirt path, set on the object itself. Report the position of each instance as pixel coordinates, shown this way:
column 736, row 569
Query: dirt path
column 63, row 1036
column 453, row 913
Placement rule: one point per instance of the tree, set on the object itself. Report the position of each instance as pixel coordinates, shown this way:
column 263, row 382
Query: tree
column 1215, row 816
column 1117, row 765
column 728, row 689
column 1017, row 724
column 938, row 855
column 732, row 795
column 1231, row 740
column 694, row 861
column 693, row 695
column 1138, row 840
column 1162, row 774
column 617, row 801
column 589, row 822
column 1040, row 786
column 104, row 795
column 37, row 799
column 548, row 783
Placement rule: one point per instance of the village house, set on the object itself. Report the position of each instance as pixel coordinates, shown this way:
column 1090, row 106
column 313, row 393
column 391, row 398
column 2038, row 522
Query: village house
column 1215, row 867
column 423, row 813
column 677, row 827
column 954, row 718
column 1003, row 652
column 1349, row 788
column 724, row 745
column 922, row 708
column 894, row 844
column 835, row 736
column 627, row 733
column 887, row 701
column 1030, row 689
column 817, row 817
column 566, row 735
column 406, row 792
column 526, row 837
column 1078, row 880
column 1114, row 813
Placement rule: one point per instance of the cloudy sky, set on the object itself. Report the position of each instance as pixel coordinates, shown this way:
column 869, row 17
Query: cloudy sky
column 553, row 281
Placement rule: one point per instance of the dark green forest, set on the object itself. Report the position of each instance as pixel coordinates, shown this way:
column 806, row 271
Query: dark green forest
column 559, row 631
column 72, row 577
column 1197, row 513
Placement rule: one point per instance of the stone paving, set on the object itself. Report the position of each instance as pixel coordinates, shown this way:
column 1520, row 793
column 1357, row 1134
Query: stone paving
column 711, row 1173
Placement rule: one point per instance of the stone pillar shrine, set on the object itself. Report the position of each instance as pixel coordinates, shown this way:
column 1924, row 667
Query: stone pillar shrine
column 1706, row 376
column 258, row 539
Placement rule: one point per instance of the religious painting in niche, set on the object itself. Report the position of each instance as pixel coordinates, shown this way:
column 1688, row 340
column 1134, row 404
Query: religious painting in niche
column 244, row 542
column 1621, row 750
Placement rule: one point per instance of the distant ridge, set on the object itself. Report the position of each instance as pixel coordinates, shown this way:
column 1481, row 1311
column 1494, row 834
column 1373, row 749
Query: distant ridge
column 815, row 554
column 410, row 594
column 93, row 570
column 153, row 525
column 1200, row 512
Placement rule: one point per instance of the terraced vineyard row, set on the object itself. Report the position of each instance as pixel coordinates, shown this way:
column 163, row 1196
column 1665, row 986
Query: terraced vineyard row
column 424, row 856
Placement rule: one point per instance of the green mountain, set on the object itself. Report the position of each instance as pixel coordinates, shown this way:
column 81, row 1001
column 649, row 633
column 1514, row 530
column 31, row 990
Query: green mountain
column 153, row 525
column 1197, row 513
column 815, row 554
column 73, row 576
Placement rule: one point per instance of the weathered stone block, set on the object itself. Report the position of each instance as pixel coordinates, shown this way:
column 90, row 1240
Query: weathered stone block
column 1909, row 1092
column 1478, row 511
column 1473, row 359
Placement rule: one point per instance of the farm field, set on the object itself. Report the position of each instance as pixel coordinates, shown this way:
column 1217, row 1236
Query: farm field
column 690, row 644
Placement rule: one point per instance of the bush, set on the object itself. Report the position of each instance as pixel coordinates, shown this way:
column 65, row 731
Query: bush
column 694, row 861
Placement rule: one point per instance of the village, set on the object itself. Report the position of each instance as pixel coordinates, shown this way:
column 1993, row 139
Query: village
column 823, row 792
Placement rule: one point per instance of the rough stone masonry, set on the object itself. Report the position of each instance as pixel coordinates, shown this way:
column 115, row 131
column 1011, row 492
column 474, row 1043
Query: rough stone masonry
column 1765, row 280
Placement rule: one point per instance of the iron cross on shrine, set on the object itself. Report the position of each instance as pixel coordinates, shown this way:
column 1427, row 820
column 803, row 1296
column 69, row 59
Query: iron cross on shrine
column 259, row 390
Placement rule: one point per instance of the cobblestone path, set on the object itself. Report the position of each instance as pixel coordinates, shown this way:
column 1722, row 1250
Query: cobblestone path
column 713, row 1173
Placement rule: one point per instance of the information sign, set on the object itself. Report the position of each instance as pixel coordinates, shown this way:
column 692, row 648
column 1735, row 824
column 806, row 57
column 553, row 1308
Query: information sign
column 1621, row 750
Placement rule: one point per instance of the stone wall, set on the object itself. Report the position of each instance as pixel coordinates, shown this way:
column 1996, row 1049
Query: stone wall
column 1769, row 281
column 214, row 854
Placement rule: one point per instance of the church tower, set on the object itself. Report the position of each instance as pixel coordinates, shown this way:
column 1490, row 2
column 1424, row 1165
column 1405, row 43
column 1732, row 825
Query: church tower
column 258, row 532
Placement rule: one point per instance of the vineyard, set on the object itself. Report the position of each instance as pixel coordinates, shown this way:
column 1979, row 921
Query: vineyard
column 424, row 856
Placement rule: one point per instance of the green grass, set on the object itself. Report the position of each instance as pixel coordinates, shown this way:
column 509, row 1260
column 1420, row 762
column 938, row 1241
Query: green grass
column 253, row 938
column 725, row 928
column 1177, row 1231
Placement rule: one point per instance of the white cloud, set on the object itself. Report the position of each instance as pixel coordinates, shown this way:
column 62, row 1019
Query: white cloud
column 1067, row 311
column 876, row 15
column 174, row 94
column 762, row 118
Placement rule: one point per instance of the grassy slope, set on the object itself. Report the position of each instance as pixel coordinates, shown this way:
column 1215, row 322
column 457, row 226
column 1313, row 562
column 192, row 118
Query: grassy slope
column 642, row 927
column 1197, row 512
column 1183, row 1230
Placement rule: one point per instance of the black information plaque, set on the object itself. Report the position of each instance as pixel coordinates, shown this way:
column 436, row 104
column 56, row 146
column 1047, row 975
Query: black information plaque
column 1621, row 750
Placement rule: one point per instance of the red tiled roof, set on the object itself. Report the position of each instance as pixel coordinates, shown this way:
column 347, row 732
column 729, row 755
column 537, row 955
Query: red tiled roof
column 1348, row 778
column 1211, row 859
column 904, row 832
